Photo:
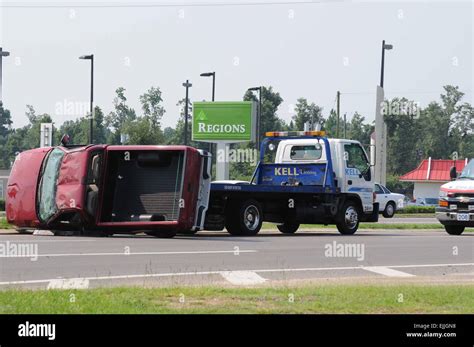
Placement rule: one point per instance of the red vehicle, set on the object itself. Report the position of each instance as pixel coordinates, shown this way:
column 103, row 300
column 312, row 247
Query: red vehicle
column 160, row 190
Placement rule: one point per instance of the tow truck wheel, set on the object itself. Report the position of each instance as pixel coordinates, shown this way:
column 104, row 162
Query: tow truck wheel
column 248, row 221
column 288, row 228
column 348, row 219
column 454, row 229
column 162, row 234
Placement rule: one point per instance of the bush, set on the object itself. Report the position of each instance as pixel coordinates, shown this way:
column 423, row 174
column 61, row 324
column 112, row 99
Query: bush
column 2, row 205
column 417, row 209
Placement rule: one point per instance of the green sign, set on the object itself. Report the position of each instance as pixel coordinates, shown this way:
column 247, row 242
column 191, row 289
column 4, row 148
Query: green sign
column 224, row 121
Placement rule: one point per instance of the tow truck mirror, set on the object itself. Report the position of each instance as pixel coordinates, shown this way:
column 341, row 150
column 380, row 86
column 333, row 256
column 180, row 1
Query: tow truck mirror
column 452, row 173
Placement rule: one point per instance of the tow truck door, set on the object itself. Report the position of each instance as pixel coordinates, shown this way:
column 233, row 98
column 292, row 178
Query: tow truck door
column 357, row 174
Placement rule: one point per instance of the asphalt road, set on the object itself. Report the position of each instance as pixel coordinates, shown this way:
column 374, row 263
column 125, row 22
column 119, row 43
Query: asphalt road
column 218, row 258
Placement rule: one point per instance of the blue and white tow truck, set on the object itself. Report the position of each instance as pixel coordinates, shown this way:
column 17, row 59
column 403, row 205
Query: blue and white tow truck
column 301, row 177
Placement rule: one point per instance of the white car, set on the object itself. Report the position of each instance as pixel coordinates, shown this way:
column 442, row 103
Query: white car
column 388, row 202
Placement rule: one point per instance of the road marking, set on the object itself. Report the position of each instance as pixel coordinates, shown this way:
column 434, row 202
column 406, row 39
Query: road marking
column 383, row 270
column 201, row 273
column 137, row 253
column 243, row 278
column 71, row 283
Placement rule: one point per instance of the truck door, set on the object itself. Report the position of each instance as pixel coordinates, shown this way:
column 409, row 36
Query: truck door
column 358, row 178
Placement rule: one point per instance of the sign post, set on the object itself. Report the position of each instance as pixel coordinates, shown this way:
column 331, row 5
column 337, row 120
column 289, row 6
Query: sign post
column 224, row 123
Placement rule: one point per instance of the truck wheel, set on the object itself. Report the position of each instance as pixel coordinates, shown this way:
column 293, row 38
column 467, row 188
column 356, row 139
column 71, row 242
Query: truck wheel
column 389, row 211
column 162, row 234
column 288, row 228
column 454, row 229
column 244, row 219
column 348, row 220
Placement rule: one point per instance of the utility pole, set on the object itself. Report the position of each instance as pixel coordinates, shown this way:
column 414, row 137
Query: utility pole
column 91, row 120
column 187, row 85
column 2, row 54
column 338, row 110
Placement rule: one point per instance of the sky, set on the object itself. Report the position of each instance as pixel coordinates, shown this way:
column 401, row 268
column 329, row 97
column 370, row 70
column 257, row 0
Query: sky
column 309, row 50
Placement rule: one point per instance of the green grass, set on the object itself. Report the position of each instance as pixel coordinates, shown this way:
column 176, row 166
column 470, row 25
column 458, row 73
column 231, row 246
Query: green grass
column 4, row 224
column 307, row 299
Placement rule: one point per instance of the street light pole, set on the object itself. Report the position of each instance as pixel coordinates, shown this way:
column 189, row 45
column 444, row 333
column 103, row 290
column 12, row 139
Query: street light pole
column 213, row 74
column 91, row 124
column 259, row 116
column 382, row 67
column 187, row 85
column 2, row 54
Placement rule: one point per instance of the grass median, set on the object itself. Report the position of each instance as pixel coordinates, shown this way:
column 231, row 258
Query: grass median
column 303, row 299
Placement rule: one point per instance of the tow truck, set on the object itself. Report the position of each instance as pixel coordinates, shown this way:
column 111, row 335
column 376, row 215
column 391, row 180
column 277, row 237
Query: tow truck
column 456, row 201
column 301, row 177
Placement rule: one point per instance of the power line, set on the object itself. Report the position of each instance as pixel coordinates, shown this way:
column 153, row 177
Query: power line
column 118, row 4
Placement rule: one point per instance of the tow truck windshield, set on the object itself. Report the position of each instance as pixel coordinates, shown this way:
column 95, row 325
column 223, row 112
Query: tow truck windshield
column 46, row 201
column 468, row 171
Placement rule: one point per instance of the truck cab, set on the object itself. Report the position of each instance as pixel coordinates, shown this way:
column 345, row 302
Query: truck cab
column 456, row 201
column 302, row 177
column 351, row 168
column 112, row 189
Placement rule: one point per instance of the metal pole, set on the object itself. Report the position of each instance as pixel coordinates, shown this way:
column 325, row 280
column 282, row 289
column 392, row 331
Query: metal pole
column 338, row 110
column 213, row 86
column 91, row 125
column 1, row 75
column 187, row 85
column 2, row 54
column 259, row 116
column 383, row 63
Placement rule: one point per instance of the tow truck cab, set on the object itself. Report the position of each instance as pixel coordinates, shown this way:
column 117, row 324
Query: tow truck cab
column 158, row 189
column 302, row 177
column 456, row 201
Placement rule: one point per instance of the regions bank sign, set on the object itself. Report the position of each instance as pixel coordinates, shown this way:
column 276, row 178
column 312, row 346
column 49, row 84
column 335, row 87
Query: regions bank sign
column 224, row 121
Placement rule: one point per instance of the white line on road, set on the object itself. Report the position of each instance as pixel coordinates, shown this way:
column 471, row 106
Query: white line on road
column 202, row 273
column 135, row 253
column 383, row 270
column 243, row 278
column 72, row 283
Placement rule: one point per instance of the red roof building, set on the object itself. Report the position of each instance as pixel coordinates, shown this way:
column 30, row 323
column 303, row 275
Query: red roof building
column 430, row 175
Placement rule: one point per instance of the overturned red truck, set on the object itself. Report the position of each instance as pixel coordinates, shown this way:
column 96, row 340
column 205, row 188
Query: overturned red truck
column 160, row 190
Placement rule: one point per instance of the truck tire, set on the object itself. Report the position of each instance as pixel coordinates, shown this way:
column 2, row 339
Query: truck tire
column 348, row 219
column 244, row 218
column 162, row 234
column 454, row 229
column 288, row 228
column 389, row 211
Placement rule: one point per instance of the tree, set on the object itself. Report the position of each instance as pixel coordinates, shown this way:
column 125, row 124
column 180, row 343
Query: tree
column 269, row 120
column 305, row 112
column 116, row 119
column 5, row 131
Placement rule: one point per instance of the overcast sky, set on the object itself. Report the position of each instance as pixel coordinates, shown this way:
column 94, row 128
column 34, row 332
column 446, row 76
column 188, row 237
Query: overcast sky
column 302, row 50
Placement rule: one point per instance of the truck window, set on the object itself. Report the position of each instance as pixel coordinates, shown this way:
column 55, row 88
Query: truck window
column 356, row 159
column 308, row 152
column 47, row 187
